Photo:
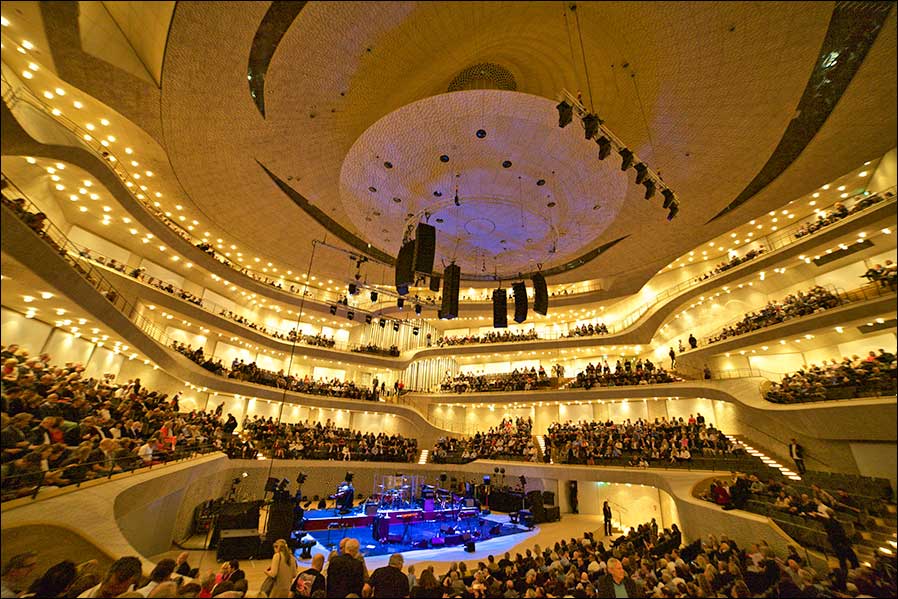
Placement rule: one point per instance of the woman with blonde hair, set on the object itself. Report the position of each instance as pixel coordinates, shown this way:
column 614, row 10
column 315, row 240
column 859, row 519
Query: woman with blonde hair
column 281, row 571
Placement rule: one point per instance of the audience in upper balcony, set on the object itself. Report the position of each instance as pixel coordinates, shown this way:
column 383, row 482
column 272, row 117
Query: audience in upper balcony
column 317, row 441
column 523, row 380
column 252, row 373
column 628, row 372
column 491, row 337
column 588, row 330
column 794, row 305
column 60, row 428
column 851, row 377
column 733, row 262
column 886, row 276
column 644, row 443
column 838, row 212
column 512, row 439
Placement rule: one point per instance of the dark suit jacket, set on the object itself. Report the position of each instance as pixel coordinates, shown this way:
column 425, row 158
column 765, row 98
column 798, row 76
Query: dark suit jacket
column 345, row 575
column 606, row 587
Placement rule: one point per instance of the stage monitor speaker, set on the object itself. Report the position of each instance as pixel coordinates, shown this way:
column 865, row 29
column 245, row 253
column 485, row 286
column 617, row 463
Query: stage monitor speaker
column 548, row 498
column 535, row 499
column 500, row 309
column 238, row 544
column 520, row 302
column 243, row 515
column 540, row 294
column 451, row 284
column 405, row 274
column 470, row 547
column 435, row 283
column 425, row 247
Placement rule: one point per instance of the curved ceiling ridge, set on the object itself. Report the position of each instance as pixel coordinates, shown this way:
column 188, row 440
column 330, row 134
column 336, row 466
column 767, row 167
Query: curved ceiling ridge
column 274, row 25
column 853, row 28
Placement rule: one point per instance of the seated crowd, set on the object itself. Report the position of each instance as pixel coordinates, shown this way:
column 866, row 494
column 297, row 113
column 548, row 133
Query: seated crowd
column 640, row 372
column 733, row 262
column 512, row 439
column 251, row 373
column 516, row 380
column 491, row 337
column 794, row 305
column 588, row 330
column 883, row 275
column 60, row 428
column 838, row 212
column 851, row 377
column 317, row 441
column 377, row 350
column 643, row 443
column 644, row 562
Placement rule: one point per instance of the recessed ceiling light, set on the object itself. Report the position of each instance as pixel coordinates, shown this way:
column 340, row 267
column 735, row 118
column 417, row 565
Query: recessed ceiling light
column 27, row 74
column 825, row 187
column 840, row 188
column 862, row 174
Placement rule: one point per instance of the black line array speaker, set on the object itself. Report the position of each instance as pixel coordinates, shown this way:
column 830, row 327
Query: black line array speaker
column 280, row 520
column 520, row 302
column 540, row 294
column 425, row 247
column 451, row 284
column 435, row 283
column 405, row 272
column 500, row 309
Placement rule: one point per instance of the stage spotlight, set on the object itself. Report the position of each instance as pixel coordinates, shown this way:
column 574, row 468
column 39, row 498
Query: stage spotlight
column 674, row 209
column 668, row 198
column 418, row 309
column 641, row 172
column 400, row 303
column 333, row 310
column 383, row 323
column 649, row 188
column 590, row 126
column 373, row 296
column 350, row 315
column 565, row 114
column 367, row 319
column 395, row 325
column 415, row 331
column 626, row 159
column 604, row 147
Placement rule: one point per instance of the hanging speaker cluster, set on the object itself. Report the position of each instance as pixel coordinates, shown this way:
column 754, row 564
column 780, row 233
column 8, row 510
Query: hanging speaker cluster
column 520, row 302
column 540, row 294
column 416, row 255
column 500, row 309
column 519, row 291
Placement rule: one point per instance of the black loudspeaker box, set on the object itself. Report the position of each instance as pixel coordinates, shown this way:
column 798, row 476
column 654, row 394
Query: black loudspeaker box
column 425, row 247
column 520, row 302
column 451, row 283
column 470, row 547
column 540, row 294
column 238, row 544
column 405, row 274
column 435, row 283
column 500, row 309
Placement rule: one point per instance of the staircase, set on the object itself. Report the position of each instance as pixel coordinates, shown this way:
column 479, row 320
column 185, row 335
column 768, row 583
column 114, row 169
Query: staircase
column 766, row 459
column 541, row 442
column 878, row 536
column 425, row 454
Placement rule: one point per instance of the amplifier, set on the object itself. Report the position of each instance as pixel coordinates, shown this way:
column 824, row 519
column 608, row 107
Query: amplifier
column 238, row 544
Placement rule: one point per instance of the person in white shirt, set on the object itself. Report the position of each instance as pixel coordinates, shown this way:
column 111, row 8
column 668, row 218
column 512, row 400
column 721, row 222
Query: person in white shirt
column 146, row 451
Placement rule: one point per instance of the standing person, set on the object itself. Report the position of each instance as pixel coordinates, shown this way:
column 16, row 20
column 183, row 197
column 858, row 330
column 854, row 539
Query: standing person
column 282, row 570
column 693, row 342
column 606, row 512
column 345, row 572
column 839, row 540
column 673, row 357
column 390, row 580
column 796, row 452
column 616, row 583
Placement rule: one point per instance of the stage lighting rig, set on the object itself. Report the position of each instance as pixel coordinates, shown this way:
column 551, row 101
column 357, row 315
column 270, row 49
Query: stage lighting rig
column 641, row 172
column 668, row 198
column 626, row 158
column 590, row 125
column 604, row 147
column 333, row 310
column 649, row 188
column 565, row 114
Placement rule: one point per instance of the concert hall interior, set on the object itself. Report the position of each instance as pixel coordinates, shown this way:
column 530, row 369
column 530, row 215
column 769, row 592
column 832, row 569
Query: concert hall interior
column 449, row 299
